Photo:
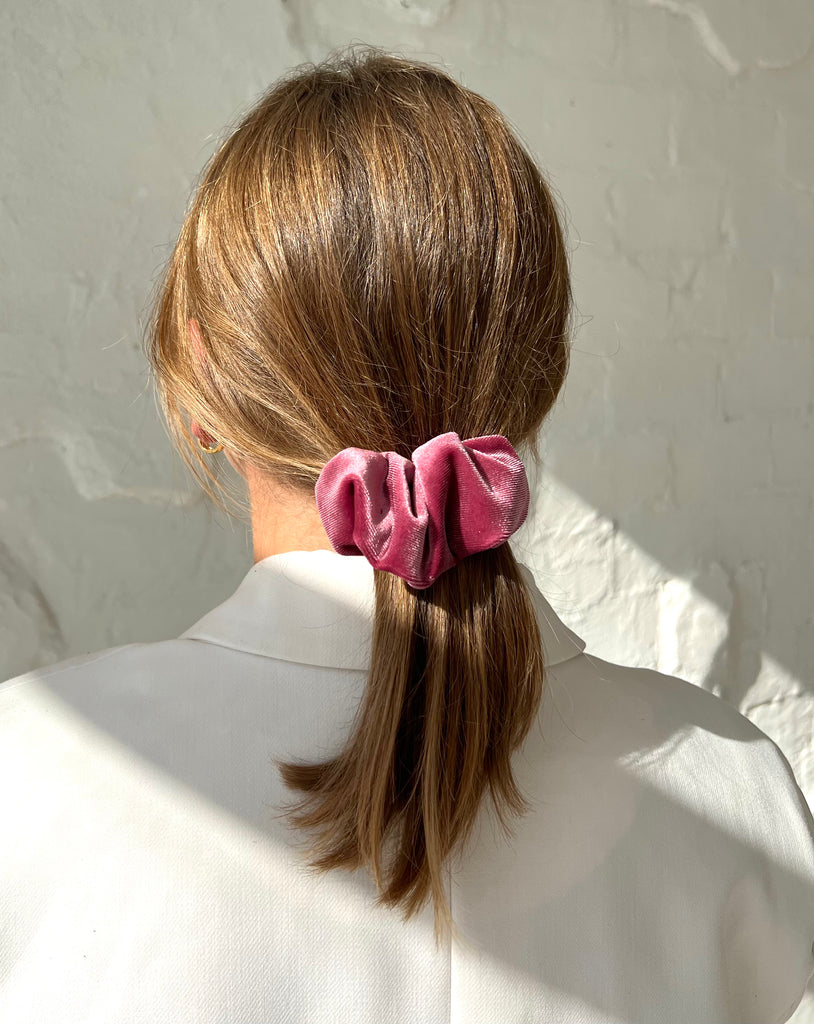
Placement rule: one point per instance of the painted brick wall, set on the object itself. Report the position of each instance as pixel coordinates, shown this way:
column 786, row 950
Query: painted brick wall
column 674, row 526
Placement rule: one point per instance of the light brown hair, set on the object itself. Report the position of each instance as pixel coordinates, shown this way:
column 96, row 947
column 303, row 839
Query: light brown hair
column 374, row 258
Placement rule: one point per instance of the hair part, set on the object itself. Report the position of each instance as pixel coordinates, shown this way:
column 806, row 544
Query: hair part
column 373, row 258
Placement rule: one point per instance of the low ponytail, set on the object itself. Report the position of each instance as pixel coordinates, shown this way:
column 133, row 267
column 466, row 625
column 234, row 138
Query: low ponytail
column 455, row 682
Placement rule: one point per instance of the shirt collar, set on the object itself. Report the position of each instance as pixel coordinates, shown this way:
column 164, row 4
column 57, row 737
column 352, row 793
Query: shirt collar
column 316, row 608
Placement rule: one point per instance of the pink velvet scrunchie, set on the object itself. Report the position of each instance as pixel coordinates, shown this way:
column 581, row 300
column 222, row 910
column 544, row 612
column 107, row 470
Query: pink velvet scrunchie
column 417, row 518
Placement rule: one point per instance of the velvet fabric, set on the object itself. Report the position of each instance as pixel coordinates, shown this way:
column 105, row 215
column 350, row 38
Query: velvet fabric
column 418, row 518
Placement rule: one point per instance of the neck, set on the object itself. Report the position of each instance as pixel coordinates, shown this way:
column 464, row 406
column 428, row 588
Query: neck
column 282, row 521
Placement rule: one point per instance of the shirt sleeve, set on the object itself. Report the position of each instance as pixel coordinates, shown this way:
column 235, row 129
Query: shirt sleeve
column 767, row 928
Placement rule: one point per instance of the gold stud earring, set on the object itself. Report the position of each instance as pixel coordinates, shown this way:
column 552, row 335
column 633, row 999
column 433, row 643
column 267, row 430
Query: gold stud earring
column 207, row 449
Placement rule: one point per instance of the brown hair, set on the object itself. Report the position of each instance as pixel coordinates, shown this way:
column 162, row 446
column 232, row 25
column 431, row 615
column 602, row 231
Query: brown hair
column 373, row 259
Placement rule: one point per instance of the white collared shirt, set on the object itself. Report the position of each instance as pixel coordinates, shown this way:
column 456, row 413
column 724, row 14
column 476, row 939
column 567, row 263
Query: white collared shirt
column 664, row 874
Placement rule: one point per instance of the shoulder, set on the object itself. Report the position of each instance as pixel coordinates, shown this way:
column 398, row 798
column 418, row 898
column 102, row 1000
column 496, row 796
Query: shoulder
column 696, row 748
column 728, row 815
column 100, row 675
column 78, row 661
column 107, row 662
column 667, row 703
column 80, row 665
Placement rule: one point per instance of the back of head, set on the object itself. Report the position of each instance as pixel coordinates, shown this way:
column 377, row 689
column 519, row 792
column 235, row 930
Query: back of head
column 374, row 259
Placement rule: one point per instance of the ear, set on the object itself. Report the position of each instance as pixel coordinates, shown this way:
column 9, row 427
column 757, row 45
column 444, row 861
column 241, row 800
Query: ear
column 197, row 430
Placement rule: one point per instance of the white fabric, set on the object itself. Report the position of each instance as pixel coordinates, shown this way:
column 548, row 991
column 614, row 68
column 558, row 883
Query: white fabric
column 665, row 873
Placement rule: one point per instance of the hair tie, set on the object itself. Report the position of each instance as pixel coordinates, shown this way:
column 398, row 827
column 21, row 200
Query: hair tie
column 417, row 518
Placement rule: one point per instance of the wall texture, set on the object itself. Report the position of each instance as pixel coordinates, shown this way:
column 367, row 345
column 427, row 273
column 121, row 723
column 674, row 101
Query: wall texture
column 674, row 525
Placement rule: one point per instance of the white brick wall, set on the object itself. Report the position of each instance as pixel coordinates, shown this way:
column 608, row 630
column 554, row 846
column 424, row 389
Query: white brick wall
column 675, row 524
